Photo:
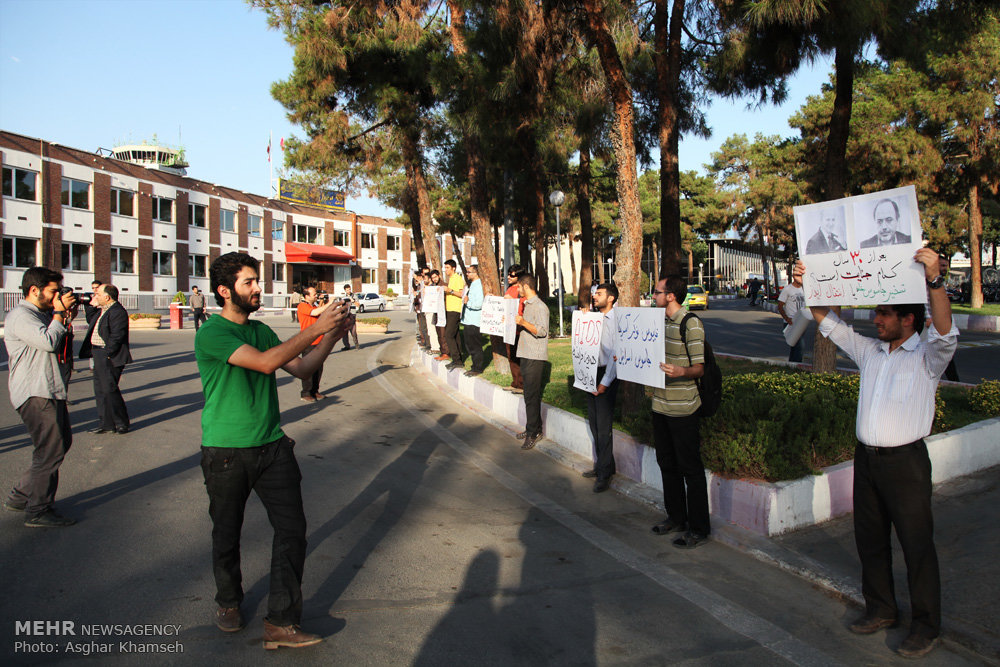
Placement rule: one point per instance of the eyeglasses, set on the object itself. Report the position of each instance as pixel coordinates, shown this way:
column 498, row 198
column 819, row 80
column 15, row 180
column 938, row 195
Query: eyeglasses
column 658, row 292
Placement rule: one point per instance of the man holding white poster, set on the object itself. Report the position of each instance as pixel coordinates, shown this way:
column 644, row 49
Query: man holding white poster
column 676, row 436
column 892, row 470
column 601, row 399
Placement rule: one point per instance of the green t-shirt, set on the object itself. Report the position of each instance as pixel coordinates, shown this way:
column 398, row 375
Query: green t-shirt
column 241, row 405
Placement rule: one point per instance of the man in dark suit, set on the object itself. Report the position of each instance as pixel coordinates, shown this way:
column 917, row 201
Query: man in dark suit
column 107, row 342
column 828, row 237
column 886, row 222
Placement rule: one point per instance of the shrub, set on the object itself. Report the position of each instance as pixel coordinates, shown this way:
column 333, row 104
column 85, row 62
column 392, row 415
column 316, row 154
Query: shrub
column 389, row 293
column 374, row 321
column 985, row 398
column 180, row 298
column 144, row 316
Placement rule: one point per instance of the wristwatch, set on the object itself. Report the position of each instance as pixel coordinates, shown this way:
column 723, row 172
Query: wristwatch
column 937, row 282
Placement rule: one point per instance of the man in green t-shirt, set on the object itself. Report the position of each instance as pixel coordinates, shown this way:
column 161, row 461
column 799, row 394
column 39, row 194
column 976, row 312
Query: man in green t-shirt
column 243, row 446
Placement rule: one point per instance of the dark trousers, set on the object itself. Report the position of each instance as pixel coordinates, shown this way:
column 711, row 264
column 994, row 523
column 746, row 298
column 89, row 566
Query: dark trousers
column 199, row 317
column 310, row 386
column 795, row 352
column 893, row 488
column 516, row 379
column 451, row 335
column 600, row 416
column 111, row 410
column 474, row 346
column 533, row 372
column 422, row 338
column 678, row 453
column 48, row 425
column 272, row 472
column 441, row 340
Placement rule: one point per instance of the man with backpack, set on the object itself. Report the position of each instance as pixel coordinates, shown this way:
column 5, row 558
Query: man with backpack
column 676, row 420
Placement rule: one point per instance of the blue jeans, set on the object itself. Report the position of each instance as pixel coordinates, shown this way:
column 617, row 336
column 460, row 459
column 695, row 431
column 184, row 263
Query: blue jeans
column 272, row 472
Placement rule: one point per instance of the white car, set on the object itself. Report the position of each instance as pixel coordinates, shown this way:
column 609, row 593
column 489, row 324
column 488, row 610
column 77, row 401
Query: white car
column 370, row 301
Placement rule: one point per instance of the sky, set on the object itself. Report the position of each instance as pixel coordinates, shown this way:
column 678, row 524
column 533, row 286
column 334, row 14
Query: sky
column 94, row 74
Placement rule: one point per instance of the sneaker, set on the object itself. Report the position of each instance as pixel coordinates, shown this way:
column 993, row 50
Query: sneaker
column 290, row 636
column 49, row 519
column 318, row 396
column 229, row 619
column 307, row 399
column 916, row 646
column 690, row 540
column 12, row 506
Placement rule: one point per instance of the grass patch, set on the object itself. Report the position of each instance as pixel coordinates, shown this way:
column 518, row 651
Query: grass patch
column 775, row 422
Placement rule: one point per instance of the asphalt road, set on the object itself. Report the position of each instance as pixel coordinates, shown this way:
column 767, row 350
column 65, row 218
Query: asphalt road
column 433, row 540
column 736, row 328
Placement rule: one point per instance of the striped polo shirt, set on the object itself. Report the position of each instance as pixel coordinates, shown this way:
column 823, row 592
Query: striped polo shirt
column 679, row 398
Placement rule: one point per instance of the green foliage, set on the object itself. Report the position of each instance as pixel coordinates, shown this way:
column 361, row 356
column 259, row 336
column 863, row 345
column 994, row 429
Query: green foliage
column 389, row 292
column 985, row 398
column 180, row 298
column 144, row 316
column 374, row 321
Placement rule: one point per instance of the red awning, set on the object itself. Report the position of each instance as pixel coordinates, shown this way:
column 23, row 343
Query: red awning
column 307, row 253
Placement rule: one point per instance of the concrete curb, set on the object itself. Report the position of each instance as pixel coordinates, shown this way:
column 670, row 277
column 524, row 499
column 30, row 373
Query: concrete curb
column 764, row 508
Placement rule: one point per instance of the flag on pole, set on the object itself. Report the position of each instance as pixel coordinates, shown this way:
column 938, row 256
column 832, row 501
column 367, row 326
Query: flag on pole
column 269, row 149
column 282, row 142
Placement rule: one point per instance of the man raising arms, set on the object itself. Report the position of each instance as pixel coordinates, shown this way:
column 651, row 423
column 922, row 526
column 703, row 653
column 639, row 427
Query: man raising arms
column 892, row 471
column 243, row 446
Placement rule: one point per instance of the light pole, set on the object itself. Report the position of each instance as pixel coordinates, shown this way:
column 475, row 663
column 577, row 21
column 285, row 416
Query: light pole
column 557, row 198
column 701, row 274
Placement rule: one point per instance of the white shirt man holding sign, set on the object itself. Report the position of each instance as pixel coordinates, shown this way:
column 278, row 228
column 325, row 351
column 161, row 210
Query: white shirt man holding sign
column 600, row 382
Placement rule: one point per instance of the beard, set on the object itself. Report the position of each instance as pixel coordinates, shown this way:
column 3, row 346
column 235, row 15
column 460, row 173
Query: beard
column 246, row 305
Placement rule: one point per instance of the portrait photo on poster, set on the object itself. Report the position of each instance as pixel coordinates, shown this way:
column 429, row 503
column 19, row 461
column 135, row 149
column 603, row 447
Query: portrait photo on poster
column 885, row 221
column 826, row 230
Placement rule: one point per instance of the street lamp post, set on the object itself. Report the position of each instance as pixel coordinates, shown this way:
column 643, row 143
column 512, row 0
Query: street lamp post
column 557, row 198
column 701, row 274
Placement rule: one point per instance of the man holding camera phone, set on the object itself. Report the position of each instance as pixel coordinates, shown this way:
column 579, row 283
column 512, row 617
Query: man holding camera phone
column 33, row 333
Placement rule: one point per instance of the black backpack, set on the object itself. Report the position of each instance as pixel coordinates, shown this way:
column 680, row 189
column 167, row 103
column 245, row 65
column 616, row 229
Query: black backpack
column 709, row 384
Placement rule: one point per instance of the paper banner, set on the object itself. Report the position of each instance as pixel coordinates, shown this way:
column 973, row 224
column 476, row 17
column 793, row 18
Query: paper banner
column 587, row 329
column 639, row 348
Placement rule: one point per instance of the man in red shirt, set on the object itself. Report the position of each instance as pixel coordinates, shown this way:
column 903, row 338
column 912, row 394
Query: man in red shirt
column 309, row 311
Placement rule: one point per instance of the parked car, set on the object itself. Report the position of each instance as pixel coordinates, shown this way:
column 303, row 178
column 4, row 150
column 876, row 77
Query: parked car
column 370, row 301
column 696, row 297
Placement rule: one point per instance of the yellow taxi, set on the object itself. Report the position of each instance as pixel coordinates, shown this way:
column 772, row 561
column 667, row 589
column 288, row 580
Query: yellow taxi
column 696, row 298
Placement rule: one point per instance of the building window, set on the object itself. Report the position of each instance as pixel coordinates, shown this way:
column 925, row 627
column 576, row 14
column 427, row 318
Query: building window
column 367, row 241
column 198, row 266
column 277, row 272
column 123, row 260
column 341, row 238
column 75, row 194
column 75, row 257
column 163, row 263
column 306, row 234
column 19, row 253
column 393, row 243
column 227, row 220
column 253, row 225
column 197, row 215
column 163, row 209
column 392, row 276
column 19, row 183
column 369, row 276
column 121, row 201
column 277, row 229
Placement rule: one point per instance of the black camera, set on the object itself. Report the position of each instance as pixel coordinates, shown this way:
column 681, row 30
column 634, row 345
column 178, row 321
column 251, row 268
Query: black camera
column 63, row 290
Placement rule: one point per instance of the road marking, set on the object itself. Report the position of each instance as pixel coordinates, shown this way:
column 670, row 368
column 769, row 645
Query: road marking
column 729, row 614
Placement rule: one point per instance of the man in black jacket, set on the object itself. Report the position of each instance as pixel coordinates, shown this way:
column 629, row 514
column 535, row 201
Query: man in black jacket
column 107, row 342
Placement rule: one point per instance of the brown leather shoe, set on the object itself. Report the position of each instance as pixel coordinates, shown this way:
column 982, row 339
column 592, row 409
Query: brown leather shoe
column 916, row 646
column 229, row 619
column 867, row 625
column 291, row 636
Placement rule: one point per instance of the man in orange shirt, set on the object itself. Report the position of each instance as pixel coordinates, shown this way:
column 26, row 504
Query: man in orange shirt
column 309, row 311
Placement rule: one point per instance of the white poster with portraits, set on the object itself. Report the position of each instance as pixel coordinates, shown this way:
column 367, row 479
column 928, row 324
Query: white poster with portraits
column 859, row 250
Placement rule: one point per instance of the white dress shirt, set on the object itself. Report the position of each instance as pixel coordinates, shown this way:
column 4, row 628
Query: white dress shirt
column 609, row 332
column 896, row 400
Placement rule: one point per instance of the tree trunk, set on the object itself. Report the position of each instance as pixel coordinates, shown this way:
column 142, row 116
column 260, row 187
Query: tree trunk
column 976, row 246
column 418, row 183
column 656, row 262
column 537, row 193
column 414, row 214
column 668, row 27
column 572, row 265
column 824, row 351
column 586, row 225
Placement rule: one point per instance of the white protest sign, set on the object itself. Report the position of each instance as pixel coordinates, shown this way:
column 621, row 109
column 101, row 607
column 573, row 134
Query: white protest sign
column 639, row 348
column 859, row 250
column 434, row 302
column 587, row 329
column 499, row 318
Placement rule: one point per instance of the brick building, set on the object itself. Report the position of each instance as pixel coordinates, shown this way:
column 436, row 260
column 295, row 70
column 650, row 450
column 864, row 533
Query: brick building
column 145, row 226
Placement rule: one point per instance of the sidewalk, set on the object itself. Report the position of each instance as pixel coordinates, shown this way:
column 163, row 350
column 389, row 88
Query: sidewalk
column 967, row 537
